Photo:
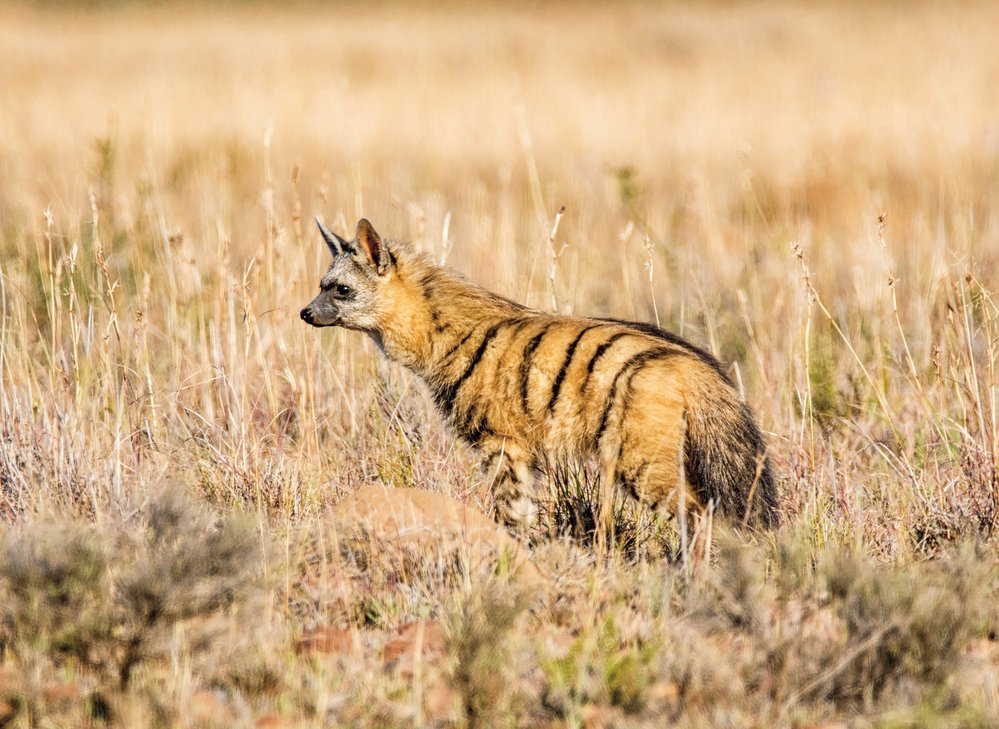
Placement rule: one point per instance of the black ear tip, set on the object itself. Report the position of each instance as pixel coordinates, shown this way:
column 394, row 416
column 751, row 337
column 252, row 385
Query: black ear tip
column 327, row 234
column 337, row 245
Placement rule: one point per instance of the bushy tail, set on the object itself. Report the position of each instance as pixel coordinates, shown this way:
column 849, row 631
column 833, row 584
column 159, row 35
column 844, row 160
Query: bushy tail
column 726, row 460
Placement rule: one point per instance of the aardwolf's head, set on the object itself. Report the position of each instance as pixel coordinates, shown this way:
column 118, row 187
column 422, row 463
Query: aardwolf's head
column 350, row 290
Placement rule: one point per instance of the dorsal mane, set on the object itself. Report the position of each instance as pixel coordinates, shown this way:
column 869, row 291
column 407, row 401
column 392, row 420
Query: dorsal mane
column 418, row 267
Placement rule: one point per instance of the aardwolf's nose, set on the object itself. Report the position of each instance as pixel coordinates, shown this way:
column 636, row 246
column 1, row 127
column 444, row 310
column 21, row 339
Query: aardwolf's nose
column 306, row 315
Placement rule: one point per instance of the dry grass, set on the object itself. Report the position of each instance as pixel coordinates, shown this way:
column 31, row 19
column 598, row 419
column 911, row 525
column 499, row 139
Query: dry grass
column 807, row 189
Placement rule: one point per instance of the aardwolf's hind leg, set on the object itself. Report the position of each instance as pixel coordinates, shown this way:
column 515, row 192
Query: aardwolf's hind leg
column 507, row 468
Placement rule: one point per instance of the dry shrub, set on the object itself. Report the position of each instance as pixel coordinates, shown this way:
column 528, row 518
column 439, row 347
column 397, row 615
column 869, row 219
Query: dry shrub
column 388, row 581
column 734, row 594
column 981, row 480
column 806, row 632
column 188, row 563
column 967, row 509
column 76, row 600
column 904, row 624
column 351, row 575
column 56, row 587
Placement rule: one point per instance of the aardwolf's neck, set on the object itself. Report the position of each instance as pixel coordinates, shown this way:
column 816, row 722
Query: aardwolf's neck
column 442, row 315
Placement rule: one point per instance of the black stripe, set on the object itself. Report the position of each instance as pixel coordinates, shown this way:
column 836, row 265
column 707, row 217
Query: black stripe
column 435, row 317
column 427, row 279
column 525, row 364
column 633, row 364
column 569, row 353
column 515, row 325
column 450, row 353
column 461, row 421
column 426, row 282
column 477, row 357
column 447, row 394
column 654, row 331
column 629, row 391
column 478, row 435
column 443, row 398
column 591, row 365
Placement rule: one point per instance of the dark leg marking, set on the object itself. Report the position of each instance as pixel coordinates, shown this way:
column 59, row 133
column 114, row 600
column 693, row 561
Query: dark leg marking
column 632, row 477
column 475, row 427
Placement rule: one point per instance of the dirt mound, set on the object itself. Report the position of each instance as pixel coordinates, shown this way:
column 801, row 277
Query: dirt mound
column 437, row 525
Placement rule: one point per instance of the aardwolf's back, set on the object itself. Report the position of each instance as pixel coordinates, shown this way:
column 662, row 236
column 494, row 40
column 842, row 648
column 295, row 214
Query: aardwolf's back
column 650, row 405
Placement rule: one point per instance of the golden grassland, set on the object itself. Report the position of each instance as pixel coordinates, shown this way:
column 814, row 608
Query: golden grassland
column 806, row 189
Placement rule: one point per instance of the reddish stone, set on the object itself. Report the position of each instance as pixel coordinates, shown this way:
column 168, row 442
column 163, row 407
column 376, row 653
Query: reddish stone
column 327, row 639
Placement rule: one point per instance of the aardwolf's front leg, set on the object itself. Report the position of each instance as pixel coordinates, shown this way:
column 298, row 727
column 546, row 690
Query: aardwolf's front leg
column 507, row 469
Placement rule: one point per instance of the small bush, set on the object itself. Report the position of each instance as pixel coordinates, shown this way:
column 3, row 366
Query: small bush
column 601, row 668
column 55, row 583
column 99, row 606
column 903, row 624
column 187, row 563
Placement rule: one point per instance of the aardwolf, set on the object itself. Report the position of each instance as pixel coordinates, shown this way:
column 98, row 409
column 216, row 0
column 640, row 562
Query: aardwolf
column 527, row 388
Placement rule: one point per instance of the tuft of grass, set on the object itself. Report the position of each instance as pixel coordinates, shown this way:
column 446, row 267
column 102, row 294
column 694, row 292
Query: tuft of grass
column 573, row 506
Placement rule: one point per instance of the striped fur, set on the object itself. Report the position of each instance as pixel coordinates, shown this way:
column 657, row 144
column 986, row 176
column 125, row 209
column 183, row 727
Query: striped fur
column 526, row 388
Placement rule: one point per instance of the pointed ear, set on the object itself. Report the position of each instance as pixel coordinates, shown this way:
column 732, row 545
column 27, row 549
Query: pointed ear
column 371, row 243
column 337, row 245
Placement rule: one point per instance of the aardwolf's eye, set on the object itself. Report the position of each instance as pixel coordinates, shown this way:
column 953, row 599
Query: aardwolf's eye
column 343, row 291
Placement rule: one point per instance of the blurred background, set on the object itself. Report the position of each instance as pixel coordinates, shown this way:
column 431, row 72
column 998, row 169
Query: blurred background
column 723, row 129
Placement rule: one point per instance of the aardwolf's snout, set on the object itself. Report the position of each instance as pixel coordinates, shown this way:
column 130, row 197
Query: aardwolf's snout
column 306, row 315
